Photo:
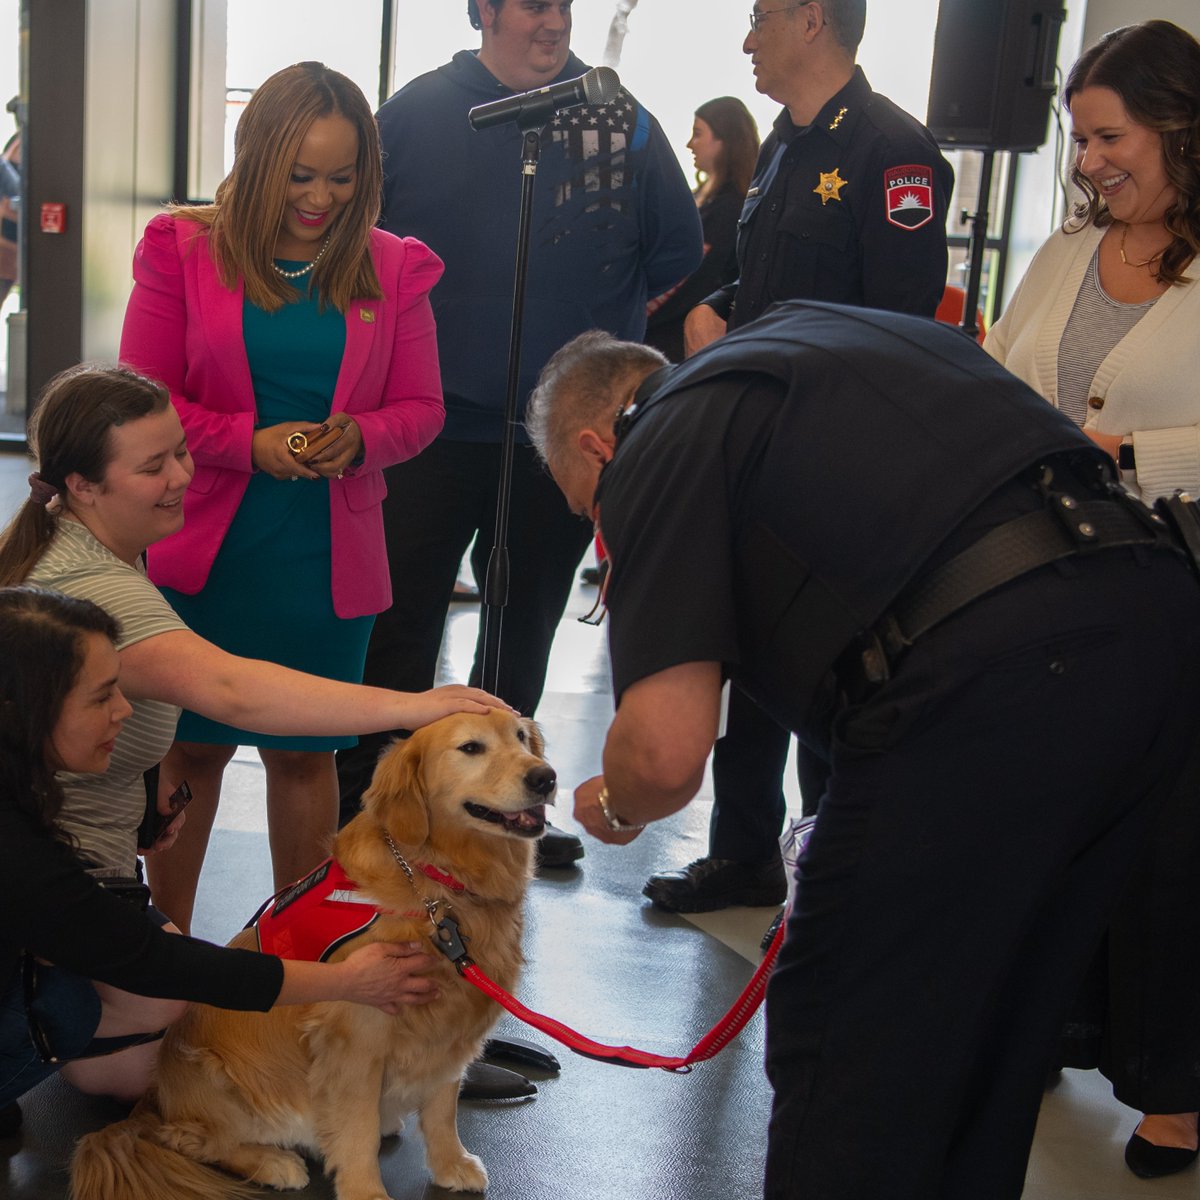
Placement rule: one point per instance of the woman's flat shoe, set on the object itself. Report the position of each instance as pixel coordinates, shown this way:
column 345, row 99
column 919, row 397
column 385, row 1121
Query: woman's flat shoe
column 1148, row 1161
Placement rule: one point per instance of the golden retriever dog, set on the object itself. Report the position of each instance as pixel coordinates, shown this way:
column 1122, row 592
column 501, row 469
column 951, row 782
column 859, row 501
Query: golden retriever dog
column 251, row 1092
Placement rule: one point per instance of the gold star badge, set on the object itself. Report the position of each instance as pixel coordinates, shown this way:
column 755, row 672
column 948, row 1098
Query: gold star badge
column 830, row 186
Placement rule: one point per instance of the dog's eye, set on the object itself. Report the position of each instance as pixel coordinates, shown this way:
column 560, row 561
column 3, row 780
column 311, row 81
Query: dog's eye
column 521, row 736
column 472, row 747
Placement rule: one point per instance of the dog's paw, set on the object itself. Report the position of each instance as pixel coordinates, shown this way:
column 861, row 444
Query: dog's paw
column 467, row 1174
column 278, row 1168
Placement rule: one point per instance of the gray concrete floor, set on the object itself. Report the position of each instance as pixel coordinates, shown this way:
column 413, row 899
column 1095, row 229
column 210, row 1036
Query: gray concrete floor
column 600, row 959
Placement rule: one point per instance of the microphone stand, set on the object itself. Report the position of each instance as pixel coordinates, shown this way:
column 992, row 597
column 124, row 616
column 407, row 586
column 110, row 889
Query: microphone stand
column 976, row 248
column 495, row 591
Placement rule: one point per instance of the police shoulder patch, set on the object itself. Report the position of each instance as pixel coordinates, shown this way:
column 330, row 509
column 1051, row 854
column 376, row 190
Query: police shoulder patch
column 908, row 195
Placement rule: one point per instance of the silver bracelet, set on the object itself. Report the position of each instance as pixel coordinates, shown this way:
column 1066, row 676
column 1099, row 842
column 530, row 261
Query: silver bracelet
column 614, row 822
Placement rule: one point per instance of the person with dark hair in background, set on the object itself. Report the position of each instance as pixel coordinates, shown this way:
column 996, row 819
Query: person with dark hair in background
column 87, row 978
column 1104, row 325
column 275, row 314
column 613, row 224
column 724, row 145
column 958, row 652
column 848, row 204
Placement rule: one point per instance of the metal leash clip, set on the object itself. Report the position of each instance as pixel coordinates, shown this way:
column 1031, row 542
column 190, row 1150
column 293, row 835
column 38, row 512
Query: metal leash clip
column 452, row 943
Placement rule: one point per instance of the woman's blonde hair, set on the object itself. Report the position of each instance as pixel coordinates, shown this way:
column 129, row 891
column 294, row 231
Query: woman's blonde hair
column 243, row 221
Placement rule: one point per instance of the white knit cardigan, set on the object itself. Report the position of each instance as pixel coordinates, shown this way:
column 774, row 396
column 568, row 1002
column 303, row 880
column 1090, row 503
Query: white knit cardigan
column 1149, row 384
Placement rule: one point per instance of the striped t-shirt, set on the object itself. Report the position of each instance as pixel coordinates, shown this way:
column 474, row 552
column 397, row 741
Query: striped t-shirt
column 102, row 812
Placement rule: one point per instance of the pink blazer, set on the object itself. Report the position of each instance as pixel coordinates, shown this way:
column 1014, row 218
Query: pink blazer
column 184, row 328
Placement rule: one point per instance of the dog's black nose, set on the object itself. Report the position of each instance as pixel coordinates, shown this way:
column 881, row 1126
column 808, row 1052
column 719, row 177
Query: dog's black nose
column 541, row 781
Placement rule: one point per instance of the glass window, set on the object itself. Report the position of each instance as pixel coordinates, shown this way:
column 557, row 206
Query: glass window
column 266, row 36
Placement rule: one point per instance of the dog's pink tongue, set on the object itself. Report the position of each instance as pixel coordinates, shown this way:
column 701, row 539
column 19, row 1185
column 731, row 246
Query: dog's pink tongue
column 530, row 818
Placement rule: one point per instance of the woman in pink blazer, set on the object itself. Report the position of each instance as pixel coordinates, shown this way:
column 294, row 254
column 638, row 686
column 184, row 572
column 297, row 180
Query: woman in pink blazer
column 280, row 309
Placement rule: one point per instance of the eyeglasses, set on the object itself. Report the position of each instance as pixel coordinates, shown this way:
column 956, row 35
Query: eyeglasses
column 756, row 16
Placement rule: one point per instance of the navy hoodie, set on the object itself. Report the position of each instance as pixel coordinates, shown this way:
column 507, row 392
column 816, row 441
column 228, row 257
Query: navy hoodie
column 614, row 222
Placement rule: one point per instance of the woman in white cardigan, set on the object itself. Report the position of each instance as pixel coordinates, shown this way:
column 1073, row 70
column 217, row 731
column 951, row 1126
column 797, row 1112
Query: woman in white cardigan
column 1106, row 325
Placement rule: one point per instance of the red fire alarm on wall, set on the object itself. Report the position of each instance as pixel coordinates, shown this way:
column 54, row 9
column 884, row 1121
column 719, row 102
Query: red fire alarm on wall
column 54, row 218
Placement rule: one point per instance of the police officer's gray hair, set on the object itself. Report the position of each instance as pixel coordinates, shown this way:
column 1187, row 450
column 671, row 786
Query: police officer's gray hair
column 847, row 19
column 581, row 387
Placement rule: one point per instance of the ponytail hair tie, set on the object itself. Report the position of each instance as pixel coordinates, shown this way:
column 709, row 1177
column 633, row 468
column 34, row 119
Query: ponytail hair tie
column 45, row 494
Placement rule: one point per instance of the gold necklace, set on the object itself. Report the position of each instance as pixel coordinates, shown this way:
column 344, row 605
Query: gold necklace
column 1152, row 258
column 304, row 270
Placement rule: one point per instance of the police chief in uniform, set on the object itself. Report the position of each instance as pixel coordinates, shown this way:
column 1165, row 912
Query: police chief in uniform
column 848, row 204
column 913, row 562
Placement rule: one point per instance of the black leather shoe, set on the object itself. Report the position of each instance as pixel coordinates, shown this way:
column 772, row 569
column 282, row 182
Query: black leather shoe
column 10, row 1119
column 712, row 883
column 1148, row 1161
column 483, row 1081
column 557, row 848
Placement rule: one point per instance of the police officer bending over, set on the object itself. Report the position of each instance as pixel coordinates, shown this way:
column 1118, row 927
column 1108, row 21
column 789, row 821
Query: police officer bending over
column 917, row 565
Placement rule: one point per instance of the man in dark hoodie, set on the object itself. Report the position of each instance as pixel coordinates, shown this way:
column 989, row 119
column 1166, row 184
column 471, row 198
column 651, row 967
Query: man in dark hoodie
column 613, row 223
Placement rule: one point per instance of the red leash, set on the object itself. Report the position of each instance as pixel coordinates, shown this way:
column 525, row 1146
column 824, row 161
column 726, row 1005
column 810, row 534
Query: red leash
column 717, row 1038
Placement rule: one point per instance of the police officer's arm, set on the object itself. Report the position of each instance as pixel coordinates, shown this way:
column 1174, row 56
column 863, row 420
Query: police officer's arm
column 656, row 749
column 904, row 270
column 701, row 327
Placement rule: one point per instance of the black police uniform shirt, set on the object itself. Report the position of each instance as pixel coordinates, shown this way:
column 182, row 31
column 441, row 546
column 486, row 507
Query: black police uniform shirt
column 774, row 494
column 850, row 209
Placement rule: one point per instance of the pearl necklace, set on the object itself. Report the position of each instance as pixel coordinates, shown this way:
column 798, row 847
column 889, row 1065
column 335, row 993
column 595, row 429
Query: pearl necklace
column 1147, row 262
column 304, row 270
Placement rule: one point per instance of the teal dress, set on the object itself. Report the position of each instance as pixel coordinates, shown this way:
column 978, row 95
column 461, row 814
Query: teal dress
column 269, row 594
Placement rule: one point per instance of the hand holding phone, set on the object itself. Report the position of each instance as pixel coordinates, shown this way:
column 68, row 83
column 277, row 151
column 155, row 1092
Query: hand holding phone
column 156, row 824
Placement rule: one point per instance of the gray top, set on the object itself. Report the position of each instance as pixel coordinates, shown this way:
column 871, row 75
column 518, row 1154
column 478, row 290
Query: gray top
column 1097, row 323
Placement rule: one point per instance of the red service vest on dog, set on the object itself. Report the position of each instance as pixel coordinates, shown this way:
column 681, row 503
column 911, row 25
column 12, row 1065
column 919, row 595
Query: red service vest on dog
column 310, row 919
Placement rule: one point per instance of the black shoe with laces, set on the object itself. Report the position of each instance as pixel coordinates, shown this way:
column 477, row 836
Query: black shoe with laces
column 712, row 883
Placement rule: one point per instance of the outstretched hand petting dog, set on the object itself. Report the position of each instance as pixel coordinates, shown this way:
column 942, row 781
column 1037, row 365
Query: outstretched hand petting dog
column 385, row 975
column 426, row 707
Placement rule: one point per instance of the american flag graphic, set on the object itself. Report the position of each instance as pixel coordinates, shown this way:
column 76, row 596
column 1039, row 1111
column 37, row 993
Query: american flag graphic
column 594, row 139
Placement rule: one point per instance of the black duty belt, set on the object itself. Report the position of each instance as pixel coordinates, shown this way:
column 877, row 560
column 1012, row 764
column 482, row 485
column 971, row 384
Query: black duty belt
column 1067, row 527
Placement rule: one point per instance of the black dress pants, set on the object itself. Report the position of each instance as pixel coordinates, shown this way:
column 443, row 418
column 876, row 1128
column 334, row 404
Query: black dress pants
column 436, row 503
column 984, row 808
column 1137, row 1016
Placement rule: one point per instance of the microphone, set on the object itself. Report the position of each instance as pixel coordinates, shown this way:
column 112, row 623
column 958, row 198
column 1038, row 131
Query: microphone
column 529, row 109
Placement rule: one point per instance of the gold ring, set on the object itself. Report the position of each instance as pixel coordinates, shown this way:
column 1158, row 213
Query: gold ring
column 297, row 443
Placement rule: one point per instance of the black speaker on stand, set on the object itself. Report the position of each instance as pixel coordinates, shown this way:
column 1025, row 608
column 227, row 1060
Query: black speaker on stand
column 990, row 89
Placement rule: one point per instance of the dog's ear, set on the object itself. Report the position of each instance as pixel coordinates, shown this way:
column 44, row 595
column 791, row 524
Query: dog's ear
column 396, row 797
column 537, row 742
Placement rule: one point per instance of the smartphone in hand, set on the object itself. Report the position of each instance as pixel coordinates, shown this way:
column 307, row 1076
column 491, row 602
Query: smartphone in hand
column 155, row 823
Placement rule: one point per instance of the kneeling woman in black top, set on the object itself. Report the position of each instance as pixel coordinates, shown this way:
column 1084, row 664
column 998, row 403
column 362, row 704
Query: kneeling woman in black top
column 84, row 972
